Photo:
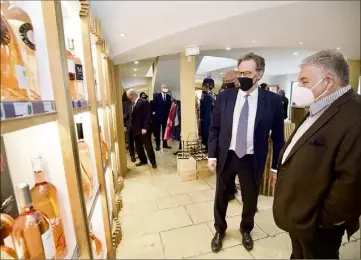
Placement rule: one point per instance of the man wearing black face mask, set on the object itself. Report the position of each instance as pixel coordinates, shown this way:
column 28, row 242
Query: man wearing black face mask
column 242, row 120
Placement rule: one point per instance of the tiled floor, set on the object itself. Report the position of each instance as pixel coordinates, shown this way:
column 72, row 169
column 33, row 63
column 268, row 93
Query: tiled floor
column 165, row 218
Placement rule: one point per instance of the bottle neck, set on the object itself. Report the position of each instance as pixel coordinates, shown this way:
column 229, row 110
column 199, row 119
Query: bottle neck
column 26, row 208
column 39, row 177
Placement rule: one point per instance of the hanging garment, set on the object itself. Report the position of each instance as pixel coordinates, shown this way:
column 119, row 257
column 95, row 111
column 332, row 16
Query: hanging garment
column 176, row 130
column 170, row 122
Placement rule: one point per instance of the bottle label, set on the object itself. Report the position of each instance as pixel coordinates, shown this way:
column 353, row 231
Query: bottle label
column 8, row 241
column 26, row 32
column 23, row 108
column 48, row 244
column 21, row 77
column 79, row 71
column 71, row 66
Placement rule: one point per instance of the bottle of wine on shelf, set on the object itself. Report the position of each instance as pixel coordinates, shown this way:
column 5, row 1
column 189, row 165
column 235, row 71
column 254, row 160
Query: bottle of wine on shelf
column 32, row 234
column 13, row 76
column 79, row 78
column 7, row 249
column 97, row 247
column 45, row 199
column 71, row 71
column 22, row 28
column 86, row 171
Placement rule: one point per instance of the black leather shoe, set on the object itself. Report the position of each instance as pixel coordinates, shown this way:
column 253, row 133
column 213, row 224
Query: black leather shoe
column 247, row 241
column 140, row 164
column 132, row 158
column 217, row 242
column 154, row 166
column 157, row 149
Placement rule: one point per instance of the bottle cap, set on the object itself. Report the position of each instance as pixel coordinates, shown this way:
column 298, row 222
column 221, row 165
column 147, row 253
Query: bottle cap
column 79, row 129
column 37, row 164
column 24, row 194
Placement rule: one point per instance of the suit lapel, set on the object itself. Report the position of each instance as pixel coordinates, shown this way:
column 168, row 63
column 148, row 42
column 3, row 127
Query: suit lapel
column 261, row 107
column 230, row 105
column 135, row 106
column 324, row 118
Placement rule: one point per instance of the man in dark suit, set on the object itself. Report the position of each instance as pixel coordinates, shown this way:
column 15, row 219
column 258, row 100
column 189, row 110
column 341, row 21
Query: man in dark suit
column 127, row 124
column 206, row 106
column 284, row 103
column 208, row 81
column 242, row 120
column 161, row 105
column 140, row 126
column 318, row 189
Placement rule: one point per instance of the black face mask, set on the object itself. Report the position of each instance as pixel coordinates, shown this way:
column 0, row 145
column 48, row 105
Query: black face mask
column 246, row 83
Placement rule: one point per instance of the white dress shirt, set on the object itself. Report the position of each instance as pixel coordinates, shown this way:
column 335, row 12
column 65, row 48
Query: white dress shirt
column 252, row 103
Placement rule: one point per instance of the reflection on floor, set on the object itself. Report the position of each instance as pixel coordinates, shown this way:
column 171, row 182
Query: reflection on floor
column 165, row 218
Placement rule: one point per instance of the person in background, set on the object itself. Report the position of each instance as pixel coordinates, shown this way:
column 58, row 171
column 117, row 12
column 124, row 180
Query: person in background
column 318, row 188
column 208, row 81
column 143, row 96
column 140, row 125
column 127, row 122
column 242, row 120
column 230, row 79
column 161, row 107
column 284, row 103
column 206, row 105
column 263, row 86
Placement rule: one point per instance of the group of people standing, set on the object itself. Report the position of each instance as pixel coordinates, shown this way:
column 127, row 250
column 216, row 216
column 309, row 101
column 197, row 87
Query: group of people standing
column 141, row 119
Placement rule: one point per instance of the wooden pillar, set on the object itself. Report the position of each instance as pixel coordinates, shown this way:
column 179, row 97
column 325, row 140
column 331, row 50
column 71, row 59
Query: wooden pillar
column 54, row 32
column 355, row 72
column 187, row 95
column 151, row 88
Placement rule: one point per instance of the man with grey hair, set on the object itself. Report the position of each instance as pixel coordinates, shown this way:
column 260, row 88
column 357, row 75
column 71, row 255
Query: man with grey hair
column 140, row 128
column 318, row 188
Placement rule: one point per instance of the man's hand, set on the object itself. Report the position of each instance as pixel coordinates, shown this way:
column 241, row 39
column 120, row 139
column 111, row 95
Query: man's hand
column 212, row 164
column 144, row 131
column 272, row 177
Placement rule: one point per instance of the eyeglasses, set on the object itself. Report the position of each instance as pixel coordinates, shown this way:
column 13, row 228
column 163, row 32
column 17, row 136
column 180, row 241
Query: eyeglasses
column 244, row 73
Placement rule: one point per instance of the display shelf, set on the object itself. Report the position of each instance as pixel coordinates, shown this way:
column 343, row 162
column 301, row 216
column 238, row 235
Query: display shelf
column 77, row 111
column 91, row 204
column 19, row 123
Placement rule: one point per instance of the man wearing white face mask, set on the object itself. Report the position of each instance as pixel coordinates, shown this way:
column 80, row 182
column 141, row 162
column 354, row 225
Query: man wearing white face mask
column 318, row 189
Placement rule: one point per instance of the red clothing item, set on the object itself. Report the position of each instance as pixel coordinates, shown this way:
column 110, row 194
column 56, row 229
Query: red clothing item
column 170, row 122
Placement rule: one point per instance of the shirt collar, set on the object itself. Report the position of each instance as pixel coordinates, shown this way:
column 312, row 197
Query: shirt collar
column 252, row 95
column 327, row 101
column 136, row 101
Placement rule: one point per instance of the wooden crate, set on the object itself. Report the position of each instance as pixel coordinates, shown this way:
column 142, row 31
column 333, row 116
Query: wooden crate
column 202, row 170
column 187, row 169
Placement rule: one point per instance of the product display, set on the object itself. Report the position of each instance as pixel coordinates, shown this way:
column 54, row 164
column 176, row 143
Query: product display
column 32, row 234
column 71, row 71
column 7, row 249
column 79, row 84
column 23, row 31
column 105, row 151
column 45, row 199
column 97, row 247
column 85, row 165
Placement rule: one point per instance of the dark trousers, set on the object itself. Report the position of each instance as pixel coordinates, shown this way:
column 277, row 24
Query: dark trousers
column 159, row 127
column 324, row 244
column 244, row 168
column 141, row 142
column 130, row 139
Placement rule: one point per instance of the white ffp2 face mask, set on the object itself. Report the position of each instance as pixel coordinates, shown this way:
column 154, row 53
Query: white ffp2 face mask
column 303, row 97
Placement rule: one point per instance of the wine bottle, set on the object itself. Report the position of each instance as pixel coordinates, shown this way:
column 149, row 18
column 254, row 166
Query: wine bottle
column 7, row 249
column 86, row 171
column 13, row 76
column 71, row 71
column 32, row 234
column 79, row 85
column 45, row 199
column 22, row 28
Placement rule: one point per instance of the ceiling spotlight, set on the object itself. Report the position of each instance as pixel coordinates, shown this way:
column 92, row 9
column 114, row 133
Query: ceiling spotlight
column 135, row 69
column 295, row 53
column 338, row 48
column 122, row 34
column 254, row 41
column 136, row 62
column 134, row 75
column 228, row 48
column 300, row 43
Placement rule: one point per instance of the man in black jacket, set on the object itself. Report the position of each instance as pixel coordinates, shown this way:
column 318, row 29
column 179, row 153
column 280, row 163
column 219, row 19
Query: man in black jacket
column 284, row 103
column 140, row 128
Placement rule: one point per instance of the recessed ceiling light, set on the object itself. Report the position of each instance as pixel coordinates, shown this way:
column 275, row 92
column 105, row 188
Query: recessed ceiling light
column 295, row 53
column 228, row 48
column 135, row 69
column 122, row 34
column 134, row 75
column 254, row 41
column 338, row 48
column 136, row 62
column 300, row 43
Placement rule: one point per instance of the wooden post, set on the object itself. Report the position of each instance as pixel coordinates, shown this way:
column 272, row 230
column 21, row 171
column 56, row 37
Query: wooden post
column 88, row 68
column 54, row 32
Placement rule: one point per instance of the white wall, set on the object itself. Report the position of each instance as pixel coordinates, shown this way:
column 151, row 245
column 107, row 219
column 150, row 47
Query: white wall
column 129, row 82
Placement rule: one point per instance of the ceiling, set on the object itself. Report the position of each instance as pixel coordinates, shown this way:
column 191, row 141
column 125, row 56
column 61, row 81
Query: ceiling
column 155, row 28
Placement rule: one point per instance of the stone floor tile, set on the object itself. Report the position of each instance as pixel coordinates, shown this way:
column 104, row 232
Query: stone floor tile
column 187, row 186
column 173, row 201
column 237, row 252
column 201, row 212
column 276, row 247
column 202, row 196
column 265, row 221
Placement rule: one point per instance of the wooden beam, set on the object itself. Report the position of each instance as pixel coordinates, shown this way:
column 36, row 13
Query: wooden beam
column 54, row 33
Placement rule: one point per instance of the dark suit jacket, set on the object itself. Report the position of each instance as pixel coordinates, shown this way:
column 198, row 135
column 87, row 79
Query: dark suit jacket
column 319, row 184
column 141, row 117
column 209, row 82
column 285, row 107
column 161, row 107
column 269, row 116
column 127, row 113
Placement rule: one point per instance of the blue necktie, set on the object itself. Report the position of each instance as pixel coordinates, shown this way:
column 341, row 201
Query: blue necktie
column 241, row 141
